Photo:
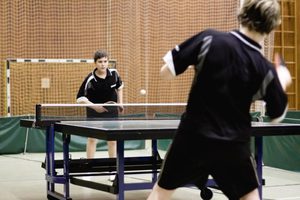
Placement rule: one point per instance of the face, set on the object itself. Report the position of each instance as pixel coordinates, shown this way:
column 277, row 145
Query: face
column 102, row 64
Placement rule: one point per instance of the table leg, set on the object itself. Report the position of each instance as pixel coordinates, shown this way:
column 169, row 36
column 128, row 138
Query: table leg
column 155, row 156
column 120, row 169
column 50, row 168
column 259, row 162
column 51, row 176
column 66, row 142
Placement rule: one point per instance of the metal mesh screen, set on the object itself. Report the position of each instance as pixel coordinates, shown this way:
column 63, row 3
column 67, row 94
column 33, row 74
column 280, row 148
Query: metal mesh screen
column 135, row 33
column 3, row 105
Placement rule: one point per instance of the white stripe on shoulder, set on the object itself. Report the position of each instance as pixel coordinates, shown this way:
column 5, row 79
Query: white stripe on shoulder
column 114, row 70
column 245, row 41
column 170, row 63
column 88, row 81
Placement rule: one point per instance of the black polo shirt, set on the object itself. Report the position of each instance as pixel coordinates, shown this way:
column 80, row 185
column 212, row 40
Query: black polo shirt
column 230, row 73
column 99, row 90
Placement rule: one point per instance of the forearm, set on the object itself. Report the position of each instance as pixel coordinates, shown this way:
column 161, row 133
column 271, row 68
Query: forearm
column 97, row 108
column 283, row 73
column 83, row 100
column 120, row 96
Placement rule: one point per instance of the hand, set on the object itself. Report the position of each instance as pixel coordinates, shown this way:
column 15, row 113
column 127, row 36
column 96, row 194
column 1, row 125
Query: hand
column 282, row 72
column 120, row 109
column 100, row 109
column 111, row 108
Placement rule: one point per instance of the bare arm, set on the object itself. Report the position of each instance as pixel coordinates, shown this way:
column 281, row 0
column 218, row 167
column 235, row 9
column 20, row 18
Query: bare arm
column 84, row 100
column 282, row 72
column 285, row 81
column 120, row 99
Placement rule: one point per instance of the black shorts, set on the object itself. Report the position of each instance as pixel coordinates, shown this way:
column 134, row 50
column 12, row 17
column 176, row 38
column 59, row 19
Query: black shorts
column 191, row 159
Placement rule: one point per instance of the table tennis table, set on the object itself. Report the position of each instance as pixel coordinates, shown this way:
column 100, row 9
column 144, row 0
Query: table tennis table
column 120, row 131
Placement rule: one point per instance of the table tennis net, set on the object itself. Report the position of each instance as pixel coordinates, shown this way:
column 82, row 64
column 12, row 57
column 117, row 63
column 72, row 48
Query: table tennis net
column 74, row 112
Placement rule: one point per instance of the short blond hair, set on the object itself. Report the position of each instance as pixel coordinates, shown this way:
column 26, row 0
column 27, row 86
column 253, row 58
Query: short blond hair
column 261, row 16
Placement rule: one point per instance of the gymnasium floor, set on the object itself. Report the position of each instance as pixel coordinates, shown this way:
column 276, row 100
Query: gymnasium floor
column 22, row 178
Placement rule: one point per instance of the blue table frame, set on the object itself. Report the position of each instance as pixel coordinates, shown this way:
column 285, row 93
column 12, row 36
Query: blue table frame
column 131, row 130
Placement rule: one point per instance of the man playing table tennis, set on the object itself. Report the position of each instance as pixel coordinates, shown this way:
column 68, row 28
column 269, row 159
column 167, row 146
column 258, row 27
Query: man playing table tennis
column 103, row 85
column 213, row 137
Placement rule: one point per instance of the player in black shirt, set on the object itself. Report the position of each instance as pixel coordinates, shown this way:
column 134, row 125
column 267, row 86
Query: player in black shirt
column 213, row 137
column 103, row 85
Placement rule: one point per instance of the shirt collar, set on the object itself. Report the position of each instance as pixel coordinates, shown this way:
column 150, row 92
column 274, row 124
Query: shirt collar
column 108, row 73
column 246, row 40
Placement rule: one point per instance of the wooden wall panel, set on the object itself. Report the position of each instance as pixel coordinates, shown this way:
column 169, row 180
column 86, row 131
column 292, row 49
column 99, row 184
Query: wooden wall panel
column 285, row 43
column 297, row 26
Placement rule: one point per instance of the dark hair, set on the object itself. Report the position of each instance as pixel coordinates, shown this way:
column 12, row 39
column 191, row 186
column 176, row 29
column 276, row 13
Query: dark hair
column 261, row 16
column 100, row 54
